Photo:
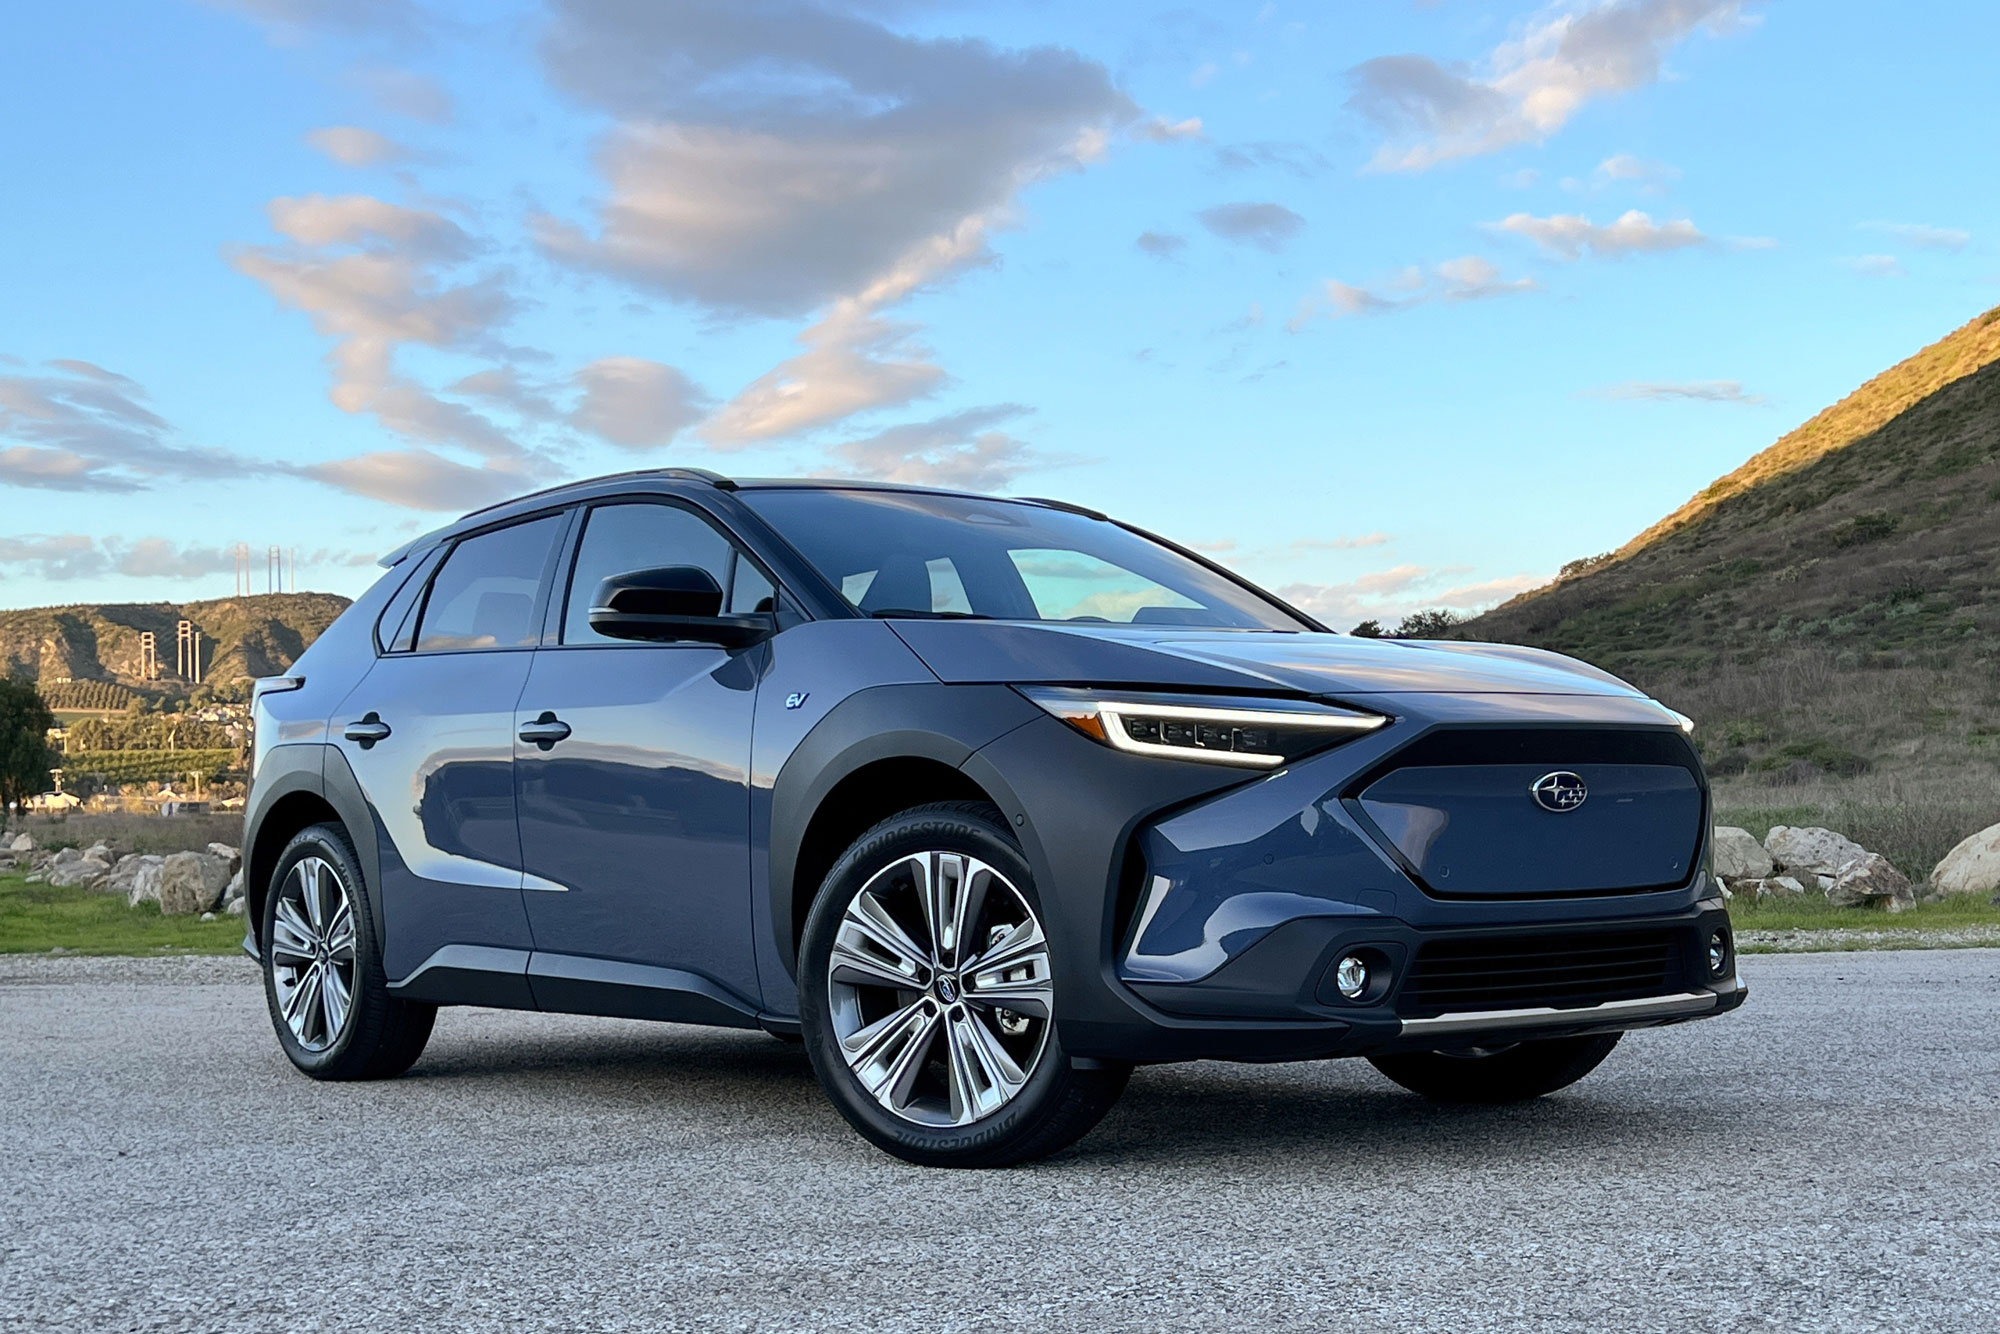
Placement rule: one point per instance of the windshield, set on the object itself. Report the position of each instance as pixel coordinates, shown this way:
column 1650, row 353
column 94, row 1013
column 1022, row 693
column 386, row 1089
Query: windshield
column 893, row 553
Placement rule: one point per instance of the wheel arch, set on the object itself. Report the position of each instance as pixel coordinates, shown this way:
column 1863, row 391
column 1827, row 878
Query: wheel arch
column 880, row 751
column 298, row 787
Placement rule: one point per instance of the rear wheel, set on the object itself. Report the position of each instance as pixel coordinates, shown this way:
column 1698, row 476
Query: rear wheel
column 1507, row 1074
column 928, row 1002
column 323, row 980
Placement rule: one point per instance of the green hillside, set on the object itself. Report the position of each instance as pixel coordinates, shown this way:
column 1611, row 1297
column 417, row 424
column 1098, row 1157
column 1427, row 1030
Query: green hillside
column 1871, row 532
column 62, row 648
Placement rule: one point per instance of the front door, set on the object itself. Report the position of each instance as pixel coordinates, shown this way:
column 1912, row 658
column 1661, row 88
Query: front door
column 632, row 770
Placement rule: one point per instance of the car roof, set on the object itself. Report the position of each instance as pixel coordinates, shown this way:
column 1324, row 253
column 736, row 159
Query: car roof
column 697, row 478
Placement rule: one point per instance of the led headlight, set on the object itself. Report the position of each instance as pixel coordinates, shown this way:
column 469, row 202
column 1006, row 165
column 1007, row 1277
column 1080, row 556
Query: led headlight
column 1253, row 733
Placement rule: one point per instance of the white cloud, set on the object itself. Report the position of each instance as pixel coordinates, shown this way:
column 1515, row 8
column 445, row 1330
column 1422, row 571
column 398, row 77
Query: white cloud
column 1266, row 226
column 421, row 479
column 1924, row 236
column 1467, row 278
column 1569, row 235
column 370, row 274
column 1629, row 169
column 1390, row 594
column 79, row 427
column 964, row 451
column 66, row 556
column 1160, row 130
column 774, row 158
column 352, row 146
column 1527, row 88
column 1876, row 266
column 635, row 403
column 1699, row 391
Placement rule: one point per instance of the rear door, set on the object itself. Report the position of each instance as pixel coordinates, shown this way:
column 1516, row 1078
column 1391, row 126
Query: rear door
column 641, row 811
column 429, row 733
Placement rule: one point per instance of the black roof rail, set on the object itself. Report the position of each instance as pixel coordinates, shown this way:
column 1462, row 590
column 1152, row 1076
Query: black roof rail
column 714, row 479
column 1065, row 505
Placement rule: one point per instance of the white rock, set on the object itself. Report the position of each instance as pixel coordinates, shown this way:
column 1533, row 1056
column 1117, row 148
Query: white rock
column 1811, row 849
column 1973, row 867
column 227, row 853
column 64, row 856
column 236, row 907
column 78, row 871
column 233, row 891
column 23, row 842
column 208, row 917
column 1771, row 887
column 101, row 851
column 191, row 882
column 1869, row 882
column 1738, row 854
column 136, row 876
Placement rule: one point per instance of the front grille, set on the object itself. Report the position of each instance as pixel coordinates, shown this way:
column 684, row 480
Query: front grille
column 1518, row 972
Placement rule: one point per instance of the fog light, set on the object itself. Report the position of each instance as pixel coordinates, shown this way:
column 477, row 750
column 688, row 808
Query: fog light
column 1718, row 954
column 1351, row 976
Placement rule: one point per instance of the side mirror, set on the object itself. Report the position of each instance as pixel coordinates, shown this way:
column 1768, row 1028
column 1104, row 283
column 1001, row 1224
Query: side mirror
column 676, row 603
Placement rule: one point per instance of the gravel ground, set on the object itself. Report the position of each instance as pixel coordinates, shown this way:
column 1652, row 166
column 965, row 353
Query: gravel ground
column 1826, row 1159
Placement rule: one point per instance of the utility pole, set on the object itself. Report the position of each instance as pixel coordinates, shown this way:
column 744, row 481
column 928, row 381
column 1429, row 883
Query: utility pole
column 149, row 657
column 187, row 652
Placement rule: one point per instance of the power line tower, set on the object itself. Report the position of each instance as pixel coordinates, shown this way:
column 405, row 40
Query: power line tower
column 187, row 652
column 242, row 569
column 149, row 656
column 274, row 569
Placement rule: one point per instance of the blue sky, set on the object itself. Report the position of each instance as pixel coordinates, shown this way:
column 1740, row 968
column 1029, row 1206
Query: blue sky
column 1391, row 304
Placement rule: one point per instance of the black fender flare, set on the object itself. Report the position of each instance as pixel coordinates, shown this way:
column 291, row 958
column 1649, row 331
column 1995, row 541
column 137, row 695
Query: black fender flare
column 321, row 771
column 945, row 724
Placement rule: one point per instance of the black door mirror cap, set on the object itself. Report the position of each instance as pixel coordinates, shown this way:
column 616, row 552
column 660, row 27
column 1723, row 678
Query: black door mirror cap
column 738, row 631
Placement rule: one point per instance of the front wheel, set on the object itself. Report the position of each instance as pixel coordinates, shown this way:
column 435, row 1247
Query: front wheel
column 1507, row 1074
column 928, row 1002
column 323, row 980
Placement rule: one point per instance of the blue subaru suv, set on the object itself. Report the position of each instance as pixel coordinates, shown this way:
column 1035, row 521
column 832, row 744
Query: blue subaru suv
column 983, row 801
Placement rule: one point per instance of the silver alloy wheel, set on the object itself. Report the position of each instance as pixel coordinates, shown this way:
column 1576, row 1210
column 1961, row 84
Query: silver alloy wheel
column 940, row 990
column 312, row 953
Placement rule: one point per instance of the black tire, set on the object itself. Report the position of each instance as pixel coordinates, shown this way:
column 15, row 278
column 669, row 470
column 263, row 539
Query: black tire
column 1061, row 1100
column 1514, row 1074
column 381, row 1036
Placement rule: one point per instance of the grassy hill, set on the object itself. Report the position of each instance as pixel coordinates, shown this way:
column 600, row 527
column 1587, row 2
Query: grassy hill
column 96, row 647
column 1829, row 612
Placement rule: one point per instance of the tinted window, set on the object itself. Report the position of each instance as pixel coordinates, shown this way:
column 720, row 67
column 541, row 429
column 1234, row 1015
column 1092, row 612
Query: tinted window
column 397, row 627
column 618, row 539
column 484, row 596
column 894, row 553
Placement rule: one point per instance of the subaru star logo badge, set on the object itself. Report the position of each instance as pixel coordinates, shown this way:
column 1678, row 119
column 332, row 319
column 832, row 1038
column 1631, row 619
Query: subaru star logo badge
column 1560, row 791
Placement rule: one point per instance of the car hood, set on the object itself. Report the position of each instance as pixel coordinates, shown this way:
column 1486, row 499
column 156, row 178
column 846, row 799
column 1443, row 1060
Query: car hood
column 967, row 652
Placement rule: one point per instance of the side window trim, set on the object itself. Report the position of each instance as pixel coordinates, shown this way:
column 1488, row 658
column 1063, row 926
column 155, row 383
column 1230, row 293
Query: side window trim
column 535, row 616
column 390, row 638
column 572, row 549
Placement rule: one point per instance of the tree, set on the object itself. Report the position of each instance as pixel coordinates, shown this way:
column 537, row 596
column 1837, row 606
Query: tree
column 25, row 721
column 1435, row 624
column 1370, row 629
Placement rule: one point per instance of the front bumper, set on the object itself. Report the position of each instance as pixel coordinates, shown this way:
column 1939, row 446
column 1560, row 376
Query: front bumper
column 1202, row 923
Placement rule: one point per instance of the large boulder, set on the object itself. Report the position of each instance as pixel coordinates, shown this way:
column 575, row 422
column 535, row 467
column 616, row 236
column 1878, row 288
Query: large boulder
column 192, row 882
column 1810, row 849
column 1870, row 881
column 228, row 854
column 102, row 851
column 233, row 891
column 77, row 871
column 1973, row 867
column 1738, row 854
column 64, row 856
column 136, row 876
column 22, row 842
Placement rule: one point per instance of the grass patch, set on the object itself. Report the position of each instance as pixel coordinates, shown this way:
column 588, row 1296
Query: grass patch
column 35, row 919
column 1811, row 912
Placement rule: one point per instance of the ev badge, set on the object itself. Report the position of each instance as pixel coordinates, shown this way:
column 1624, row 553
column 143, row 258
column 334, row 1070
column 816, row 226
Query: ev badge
column 1559, row 792
column 795, row 699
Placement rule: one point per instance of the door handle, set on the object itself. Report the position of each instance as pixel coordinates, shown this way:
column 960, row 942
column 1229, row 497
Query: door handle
column 368, row 730
column 545, row 731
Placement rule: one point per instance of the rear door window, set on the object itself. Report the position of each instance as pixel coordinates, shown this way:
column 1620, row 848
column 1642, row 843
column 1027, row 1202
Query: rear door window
column 485, row 594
